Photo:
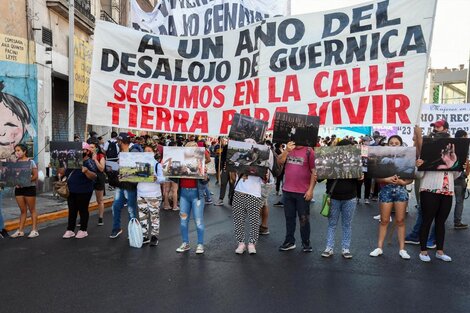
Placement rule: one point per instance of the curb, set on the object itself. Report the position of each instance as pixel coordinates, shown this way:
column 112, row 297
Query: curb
column 52, row 216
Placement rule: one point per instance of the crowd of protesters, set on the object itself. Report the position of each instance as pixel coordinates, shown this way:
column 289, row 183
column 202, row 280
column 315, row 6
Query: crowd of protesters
column 247, row 194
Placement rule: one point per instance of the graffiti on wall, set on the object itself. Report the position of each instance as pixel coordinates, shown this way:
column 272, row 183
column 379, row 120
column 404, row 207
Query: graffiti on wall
column 18, row 96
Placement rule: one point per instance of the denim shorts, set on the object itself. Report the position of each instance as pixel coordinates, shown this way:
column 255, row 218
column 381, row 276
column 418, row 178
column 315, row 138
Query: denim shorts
column 393, row 193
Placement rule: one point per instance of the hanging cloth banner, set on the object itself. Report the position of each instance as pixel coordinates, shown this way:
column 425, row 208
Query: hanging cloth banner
column 203, row 17
column 358, row 66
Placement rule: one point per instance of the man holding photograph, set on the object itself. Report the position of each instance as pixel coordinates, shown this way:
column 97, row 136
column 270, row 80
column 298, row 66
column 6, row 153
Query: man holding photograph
column 300, row 179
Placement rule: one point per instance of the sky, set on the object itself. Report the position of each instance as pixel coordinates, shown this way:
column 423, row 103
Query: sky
column 451, row 37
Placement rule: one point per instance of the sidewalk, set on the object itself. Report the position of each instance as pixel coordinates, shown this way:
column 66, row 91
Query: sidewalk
column 48, row 206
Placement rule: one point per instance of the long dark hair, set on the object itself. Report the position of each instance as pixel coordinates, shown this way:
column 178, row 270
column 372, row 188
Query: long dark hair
column 396, row 137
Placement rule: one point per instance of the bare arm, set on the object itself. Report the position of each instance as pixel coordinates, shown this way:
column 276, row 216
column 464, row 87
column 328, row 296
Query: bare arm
column 283, row 156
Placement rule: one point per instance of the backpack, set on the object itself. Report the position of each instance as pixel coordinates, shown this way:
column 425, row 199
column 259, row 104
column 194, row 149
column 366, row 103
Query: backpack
column 112, row 152
column 277, row 169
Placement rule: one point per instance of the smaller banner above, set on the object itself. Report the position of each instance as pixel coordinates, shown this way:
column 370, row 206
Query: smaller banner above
column 203, row 17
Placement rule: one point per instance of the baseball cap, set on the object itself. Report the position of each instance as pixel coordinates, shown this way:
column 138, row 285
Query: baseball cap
column 130, row 134
column 440, row 123
column 123, row 136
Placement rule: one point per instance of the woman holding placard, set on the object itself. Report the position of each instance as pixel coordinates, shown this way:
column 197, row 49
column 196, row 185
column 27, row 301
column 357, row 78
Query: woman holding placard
column 393, row 194
column 26, row 195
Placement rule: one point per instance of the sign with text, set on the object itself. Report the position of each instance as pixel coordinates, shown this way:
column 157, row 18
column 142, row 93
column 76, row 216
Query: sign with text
column 203, row 17
column 360, row 65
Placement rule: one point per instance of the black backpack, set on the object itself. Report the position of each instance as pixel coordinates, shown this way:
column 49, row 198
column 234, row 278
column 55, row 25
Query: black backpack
column 112, row 152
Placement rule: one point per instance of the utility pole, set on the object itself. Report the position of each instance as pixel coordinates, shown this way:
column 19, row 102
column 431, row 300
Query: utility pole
column 71, row 69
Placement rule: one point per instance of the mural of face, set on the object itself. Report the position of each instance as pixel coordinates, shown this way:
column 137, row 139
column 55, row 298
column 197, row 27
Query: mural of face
column 11, row 131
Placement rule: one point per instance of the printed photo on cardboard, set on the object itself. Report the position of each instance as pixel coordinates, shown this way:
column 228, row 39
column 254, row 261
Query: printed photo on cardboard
column 247, row 127
column 15, row 174
column 66, row 154
column 248, row 158
column 444, row 154
column 338, row 162
column 302, row 129
column 387, row 161
column 184, row 162
column 136, row 167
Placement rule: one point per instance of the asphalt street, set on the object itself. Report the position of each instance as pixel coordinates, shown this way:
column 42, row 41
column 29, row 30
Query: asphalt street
column 98, row 274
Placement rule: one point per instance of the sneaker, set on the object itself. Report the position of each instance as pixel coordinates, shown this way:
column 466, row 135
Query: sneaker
column 154, row 241
column 431, row 245
column 183, row 248
column 375, row 199
column 376, row 252
column 404, row 255
column 460, row 226
column 424, row 258
column 115, row 233
column 17, row 234
column 347, row 254
column 100, row 221
column 279, row 203
column 68, row 234
column 200, row 249
column 286, row 246
column 167, row 208
column 4, row 233
column 377, row 217
column 366, row 201
column 146, row 240
column 443, row 257
column 306, row 247
column 412, row 241
column 81, row 234
column 263, row 230
column 176, row 208
column 241, row 248
column 33, row 234
column 327, row 253
column 209, row 201
column 251, row 248
column 219, row 202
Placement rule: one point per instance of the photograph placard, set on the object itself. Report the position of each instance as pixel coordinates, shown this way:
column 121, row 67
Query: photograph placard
column 387, row 161
column 15, row 174
column 184, row 162
column 444, row 154
column 338, row 162
column 247, row 127
column 248, row 158
column 136, row 167
column 301, row 129
column 66, row 154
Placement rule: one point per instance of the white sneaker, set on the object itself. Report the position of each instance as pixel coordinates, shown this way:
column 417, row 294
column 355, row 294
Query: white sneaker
column 199, row 249
column 241, row 248
column 251, row 248
column 33, row 234
column 424, row 258
column 183, row 248
column 68, row 234
column 443, row 257
column 404, row 255
column 219, row 202
column 376, row 252
column 366, row 201
column 377, row 217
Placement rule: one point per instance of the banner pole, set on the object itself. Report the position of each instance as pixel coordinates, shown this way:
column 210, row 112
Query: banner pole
column 418, row 117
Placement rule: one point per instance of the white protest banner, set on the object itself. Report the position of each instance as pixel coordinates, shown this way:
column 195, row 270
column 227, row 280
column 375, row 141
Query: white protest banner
column 457, row 115
column 362, row 65
column 203, row 17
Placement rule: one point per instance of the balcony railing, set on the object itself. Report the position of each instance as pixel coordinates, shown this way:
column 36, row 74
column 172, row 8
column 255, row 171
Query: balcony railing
column 84, row 7
column 106, row 17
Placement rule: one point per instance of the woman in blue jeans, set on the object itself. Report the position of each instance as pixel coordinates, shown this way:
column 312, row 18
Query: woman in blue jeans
column 393, row 194
column 343, row 202
column 192, row 200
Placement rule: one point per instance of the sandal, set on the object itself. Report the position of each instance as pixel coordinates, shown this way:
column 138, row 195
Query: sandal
column 17, row 234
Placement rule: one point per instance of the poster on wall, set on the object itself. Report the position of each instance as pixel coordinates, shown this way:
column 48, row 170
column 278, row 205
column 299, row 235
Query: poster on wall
column 18, row 96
